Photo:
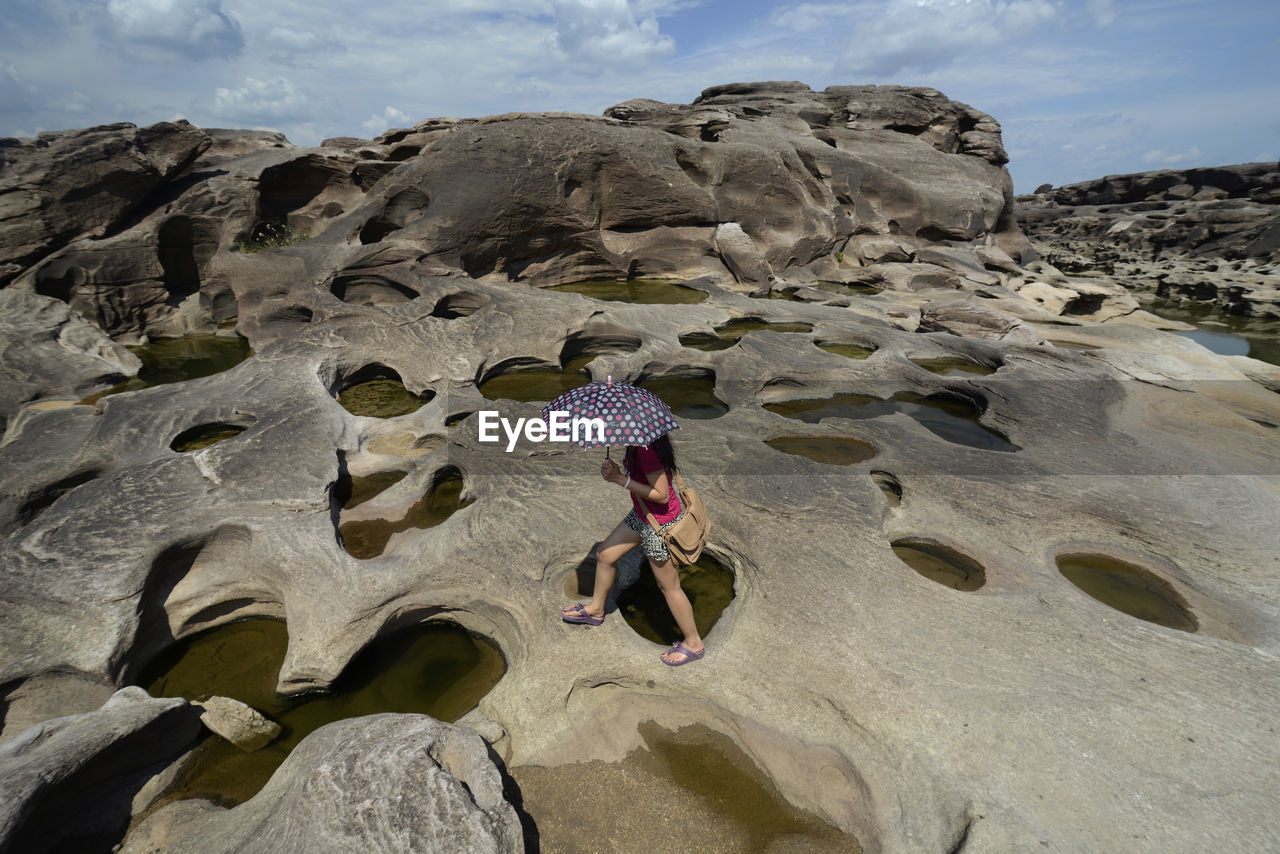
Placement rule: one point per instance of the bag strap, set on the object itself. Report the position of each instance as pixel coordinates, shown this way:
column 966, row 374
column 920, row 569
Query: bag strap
column 657, row 529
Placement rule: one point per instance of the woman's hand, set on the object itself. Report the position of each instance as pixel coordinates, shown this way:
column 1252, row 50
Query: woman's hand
column 609, row 471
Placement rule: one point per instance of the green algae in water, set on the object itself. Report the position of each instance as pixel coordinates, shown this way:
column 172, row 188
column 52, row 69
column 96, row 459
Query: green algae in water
column 199, row 438
column 1128, row 588
column 642, row 291
column 688, row 397
column 352, row 491
column 730, row 333
column 941, row 564
column 382, row 398
column 830, row 450
column 436, row 669
column 952, row 419
column 175, row 360
column 368, row 538
column 851, row 351
column 951, row 367
column 694, row 786
column 707, row 583
column 540, row 384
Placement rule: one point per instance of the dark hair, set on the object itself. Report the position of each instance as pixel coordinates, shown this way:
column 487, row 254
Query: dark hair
column 660, row 446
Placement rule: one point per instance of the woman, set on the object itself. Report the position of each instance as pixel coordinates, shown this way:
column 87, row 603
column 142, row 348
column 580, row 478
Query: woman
column 647, row 476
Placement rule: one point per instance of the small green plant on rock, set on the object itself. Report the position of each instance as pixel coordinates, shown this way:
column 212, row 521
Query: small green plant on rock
column 269, row 235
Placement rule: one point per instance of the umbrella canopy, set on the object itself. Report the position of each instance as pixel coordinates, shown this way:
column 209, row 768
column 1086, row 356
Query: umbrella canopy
column 631, row 415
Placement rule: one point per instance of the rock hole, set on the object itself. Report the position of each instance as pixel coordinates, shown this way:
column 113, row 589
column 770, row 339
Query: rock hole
column 611, row 339
column 640, row 291
column 377, row 391
column 1127, row 587
column 460, row 304
column 183, row 247
column 437, row 669
column 368, row 538
column 955, row 366
column 349, row 491
column 847, row 349
column 829, row 450
column 689, row 394
column 42, row 498
column 940, row 563
column 511, row 380
column 889, row 485
column 200, row 437
column 175, row 360
column 728, row 334
column 371, row 290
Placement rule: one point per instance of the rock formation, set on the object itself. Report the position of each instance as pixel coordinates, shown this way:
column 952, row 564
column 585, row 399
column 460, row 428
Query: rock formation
column 915, row 716
column 1202, row 235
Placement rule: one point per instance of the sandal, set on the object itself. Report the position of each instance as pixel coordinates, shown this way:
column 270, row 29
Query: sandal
column 689, row 655
column 577, row 613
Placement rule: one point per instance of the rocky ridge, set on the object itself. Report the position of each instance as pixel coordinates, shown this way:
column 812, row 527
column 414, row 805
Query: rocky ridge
column 914, row 716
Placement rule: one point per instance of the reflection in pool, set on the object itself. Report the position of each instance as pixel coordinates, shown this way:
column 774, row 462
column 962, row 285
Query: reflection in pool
column 175, row 360
column 539, row 384
column 688, row 397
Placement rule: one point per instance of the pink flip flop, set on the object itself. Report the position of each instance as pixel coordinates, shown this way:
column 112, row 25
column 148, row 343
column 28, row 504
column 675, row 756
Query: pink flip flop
column 578, row 614
column 689, row 655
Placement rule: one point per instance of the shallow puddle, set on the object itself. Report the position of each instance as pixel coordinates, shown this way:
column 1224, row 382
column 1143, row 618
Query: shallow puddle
column 368, row 538
column 436, row 669
column 707, row 583
column 175, row 360
column 730, row 333
column 851, row 351
column 539, row 384
column 199, row 438
column 846, row 290
column 642, row 291
column 383, row 397
column 1128, row 588
column 691, row 790
column 953, row 366
column 941, row 564
column 688, row 397
column 351, row 491
column 831, row 450
column 1226, row 334
column 949, row 418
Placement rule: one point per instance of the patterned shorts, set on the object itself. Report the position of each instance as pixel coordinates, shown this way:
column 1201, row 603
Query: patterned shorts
column 654, row 548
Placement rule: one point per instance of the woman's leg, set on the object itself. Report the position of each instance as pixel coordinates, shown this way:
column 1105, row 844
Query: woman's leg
column 620, row 541
column 668, row 578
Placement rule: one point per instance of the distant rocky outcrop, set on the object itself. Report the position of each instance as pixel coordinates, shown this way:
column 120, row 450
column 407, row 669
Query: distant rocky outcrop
column 1207, row 235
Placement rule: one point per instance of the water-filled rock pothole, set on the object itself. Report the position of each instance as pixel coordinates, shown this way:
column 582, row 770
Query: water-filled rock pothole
column 726, row 802
column 689, row 397
column 952, row 366
column 728, row 334
column 175, row 360
column 368, row 538
column 436, row 669
column 377, row 391
column 954, row 419
column 351, row 491
column 204, row 435
column 538, row 384
column 848, row 350
column 1129, row 588
column 642, row 291
column 708, row 584
column 941, row 563
column 831, row 450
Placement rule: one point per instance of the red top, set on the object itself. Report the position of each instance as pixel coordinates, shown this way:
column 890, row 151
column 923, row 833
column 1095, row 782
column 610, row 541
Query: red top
column 646, row 460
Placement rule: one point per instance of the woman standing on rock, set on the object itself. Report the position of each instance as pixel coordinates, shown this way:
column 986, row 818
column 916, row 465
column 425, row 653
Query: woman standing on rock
column 646, row 474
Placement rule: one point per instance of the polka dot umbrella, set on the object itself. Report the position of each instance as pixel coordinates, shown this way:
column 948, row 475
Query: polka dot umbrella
column 631, row 415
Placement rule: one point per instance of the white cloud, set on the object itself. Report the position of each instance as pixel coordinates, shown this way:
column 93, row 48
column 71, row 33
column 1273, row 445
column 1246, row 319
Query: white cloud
column 263, row 100
column 390, row 118
column 16, row 92
column 923, row 35
column 1103, row 12
column 192, row 28
column 607, row 31
column 1172, row 158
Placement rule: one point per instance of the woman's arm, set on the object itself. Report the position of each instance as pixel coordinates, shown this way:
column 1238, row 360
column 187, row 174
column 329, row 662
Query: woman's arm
column 659, row 492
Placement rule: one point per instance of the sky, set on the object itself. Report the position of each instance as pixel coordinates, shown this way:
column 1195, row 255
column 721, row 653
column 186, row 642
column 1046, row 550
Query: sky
column 1082, row 88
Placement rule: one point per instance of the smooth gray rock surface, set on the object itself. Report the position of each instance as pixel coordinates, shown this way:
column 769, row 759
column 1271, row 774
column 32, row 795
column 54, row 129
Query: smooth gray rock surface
column 910, row 714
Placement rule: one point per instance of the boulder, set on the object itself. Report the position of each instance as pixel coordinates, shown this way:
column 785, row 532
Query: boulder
column 242, row 725
column 404, row 783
